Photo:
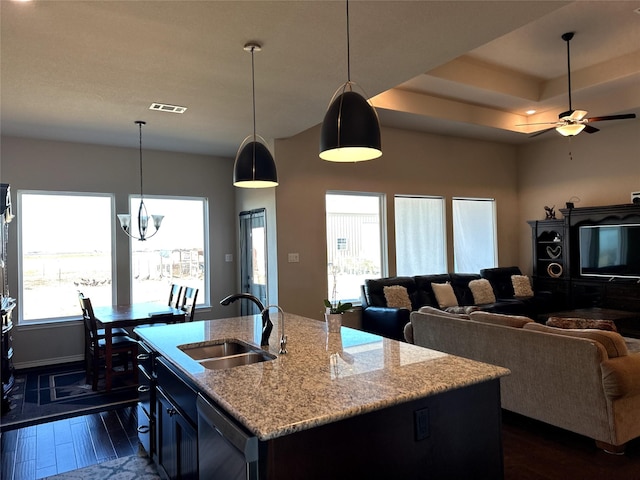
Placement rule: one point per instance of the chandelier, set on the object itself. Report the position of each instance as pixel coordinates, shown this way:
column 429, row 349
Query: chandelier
column 143, row 216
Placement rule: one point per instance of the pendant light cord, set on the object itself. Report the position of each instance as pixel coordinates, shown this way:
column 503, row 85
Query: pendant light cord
column 253, row 93
column 569, row 73
column 140, row 123
column 348, row 48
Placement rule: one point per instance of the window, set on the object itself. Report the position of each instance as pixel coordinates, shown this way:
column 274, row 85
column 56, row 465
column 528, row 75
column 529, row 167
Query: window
column 420, row 235
column 65, row 245
column 177, row 254
column 355, row 227
column 474, row 234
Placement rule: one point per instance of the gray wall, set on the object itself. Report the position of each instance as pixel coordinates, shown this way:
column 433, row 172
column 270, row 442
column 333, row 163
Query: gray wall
column 603, row 169
column 60, row 166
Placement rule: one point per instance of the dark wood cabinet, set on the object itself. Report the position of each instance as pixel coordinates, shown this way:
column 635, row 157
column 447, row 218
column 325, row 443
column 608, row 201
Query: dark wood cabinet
column 556, row 259
column 7, row 302
column 176, row 431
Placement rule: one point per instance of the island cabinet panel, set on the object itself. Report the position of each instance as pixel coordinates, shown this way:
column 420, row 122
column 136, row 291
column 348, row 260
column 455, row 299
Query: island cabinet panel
column 176, row 432
column 451, row 435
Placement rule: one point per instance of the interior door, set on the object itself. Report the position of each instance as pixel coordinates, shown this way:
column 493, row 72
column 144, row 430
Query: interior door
column 253, row 258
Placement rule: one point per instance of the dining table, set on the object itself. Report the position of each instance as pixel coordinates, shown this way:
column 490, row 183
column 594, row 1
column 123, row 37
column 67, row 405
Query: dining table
column 131, row 315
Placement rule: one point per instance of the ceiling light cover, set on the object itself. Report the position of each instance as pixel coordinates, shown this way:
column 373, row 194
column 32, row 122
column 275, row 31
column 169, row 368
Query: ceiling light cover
column 254, row 166
column 570, row 129
column 350, row 129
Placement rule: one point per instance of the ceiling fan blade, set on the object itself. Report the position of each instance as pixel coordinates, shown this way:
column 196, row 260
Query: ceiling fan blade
column 590, row 129
column 538, row 123
column 578, row 115
column 541, row 132
column 611, row 117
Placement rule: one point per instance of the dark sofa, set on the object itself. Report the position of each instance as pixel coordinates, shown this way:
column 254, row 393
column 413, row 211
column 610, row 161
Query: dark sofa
column 380, row 319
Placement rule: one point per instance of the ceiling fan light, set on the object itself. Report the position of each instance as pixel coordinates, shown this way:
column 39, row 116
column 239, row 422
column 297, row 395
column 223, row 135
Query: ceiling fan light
column 254, row 166
column 350, row 129
column 571, row 129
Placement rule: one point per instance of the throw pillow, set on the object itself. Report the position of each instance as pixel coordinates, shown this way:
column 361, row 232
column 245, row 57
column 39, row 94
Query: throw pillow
column 515, row 321
column 482, row 291
column 447, row 312
column 462, row 309
column 612, row 342
column 397, row 297
column 521, row 286
column 444, row 295
column 562, row 322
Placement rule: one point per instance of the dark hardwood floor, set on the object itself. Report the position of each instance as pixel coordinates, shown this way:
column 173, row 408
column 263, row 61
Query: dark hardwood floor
column 57, row 447
column 532, row 450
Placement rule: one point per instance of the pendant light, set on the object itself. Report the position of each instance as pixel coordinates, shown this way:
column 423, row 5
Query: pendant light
column 350, row 129
column 143, row 217
column 254, row 166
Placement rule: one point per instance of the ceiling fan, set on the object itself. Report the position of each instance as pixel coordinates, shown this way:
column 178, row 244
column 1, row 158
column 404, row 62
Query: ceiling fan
column 572, row 122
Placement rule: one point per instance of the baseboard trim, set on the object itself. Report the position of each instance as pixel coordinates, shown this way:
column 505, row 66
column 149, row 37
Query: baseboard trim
column 48, row 362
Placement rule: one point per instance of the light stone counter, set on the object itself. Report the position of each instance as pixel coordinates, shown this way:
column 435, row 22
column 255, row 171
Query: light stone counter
column 324, row 377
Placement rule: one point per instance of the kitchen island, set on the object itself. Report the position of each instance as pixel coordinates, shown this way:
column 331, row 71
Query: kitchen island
column 337, row 405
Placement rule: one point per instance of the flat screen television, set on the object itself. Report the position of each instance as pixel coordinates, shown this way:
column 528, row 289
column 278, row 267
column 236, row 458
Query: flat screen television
column 610, row 250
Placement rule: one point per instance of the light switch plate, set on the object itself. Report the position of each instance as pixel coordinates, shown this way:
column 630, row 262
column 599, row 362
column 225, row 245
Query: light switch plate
column 294, row 257
column 228, row 257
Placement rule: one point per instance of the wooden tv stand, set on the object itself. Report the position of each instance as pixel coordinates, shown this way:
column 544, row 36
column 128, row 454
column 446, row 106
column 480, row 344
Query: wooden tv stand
column 556, row 260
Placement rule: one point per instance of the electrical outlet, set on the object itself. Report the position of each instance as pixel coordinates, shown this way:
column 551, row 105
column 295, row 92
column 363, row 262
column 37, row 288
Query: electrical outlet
column 228, row 257
column 421, row 424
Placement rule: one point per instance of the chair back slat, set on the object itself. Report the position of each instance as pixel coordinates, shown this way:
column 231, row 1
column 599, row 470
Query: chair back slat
column 91, row 327
column 174, row 295
column 188, row 305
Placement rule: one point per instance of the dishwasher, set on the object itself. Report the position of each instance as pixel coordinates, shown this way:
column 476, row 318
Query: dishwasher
column 225, row 450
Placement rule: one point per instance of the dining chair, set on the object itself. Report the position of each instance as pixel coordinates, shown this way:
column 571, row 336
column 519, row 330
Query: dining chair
column 124, row 347
column 115, row 332
column 188, row 304
column 174, row 295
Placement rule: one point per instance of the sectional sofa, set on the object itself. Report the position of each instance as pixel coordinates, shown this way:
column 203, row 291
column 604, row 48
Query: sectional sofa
column 384, row 317
column 583, row 380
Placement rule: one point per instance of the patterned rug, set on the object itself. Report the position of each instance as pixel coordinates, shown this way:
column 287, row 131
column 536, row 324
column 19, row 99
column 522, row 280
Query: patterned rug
column 138, row 467
column 61, row 391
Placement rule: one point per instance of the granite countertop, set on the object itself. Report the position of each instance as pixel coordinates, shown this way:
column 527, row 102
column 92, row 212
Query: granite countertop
column 324, row 377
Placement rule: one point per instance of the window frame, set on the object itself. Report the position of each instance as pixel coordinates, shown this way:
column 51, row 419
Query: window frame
column 494, row 214
column 382, row 227
column 20, row 251
column 203, row 299
column 443, row 233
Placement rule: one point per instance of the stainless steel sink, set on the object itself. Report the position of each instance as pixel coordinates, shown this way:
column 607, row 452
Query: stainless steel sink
column 220, row 354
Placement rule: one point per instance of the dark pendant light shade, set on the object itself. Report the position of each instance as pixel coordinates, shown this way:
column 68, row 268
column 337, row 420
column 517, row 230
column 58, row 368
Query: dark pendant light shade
column 254, row 167
column 350, row 129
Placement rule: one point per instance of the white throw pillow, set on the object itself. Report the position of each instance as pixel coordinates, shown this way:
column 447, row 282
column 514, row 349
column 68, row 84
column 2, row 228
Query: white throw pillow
column 444, row 295
column 397, row 297
column 482, row 291
column 521, row 286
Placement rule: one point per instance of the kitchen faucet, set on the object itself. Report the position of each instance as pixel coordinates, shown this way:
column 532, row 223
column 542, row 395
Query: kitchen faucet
column 267, row 324
column 283, row 337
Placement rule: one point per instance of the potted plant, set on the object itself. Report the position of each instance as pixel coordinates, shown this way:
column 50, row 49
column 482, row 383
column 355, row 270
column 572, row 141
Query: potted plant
column 333, row 314
column 334, row 309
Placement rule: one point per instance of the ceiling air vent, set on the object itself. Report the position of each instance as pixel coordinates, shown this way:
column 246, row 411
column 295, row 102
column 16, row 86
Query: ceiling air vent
column 163, row 107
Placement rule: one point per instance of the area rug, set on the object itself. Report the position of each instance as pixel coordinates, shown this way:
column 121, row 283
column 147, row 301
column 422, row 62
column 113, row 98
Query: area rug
column 61, row 391
column 138, row 467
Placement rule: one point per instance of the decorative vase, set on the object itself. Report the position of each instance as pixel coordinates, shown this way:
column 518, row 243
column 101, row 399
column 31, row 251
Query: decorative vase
column 333, row 321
